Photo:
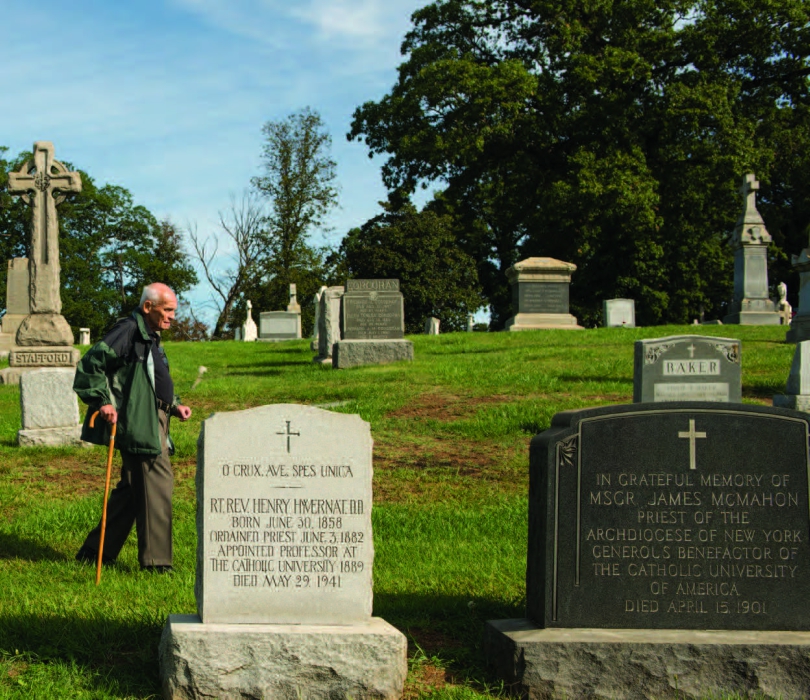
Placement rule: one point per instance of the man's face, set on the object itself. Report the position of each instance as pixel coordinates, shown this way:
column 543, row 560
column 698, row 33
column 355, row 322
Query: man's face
column 160, row 315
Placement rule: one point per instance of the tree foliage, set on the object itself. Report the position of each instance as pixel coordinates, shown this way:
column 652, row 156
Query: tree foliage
column 109, row 248
column 436, row 277
column 610, row 133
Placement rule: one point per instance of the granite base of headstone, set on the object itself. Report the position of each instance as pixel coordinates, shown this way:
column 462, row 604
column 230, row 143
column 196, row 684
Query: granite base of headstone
column 328, row 323
column 668, row 556
column 797, row 391
column 284, row 564
column 619, row 313
column 49, row 409
column 687, row 368
column 356, row 353
column 540, row 295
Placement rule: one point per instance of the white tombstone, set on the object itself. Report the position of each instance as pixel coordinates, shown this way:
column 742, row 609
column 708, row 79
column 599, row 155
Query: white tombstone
column 284, row 564
column 797, row 391
column 317, row 302
column 470, row 323
column 783, row 306
column 294, row 306
column 329, row 323
column 249, row 330
column 49, row 408
column 432, row 326
column 619, row 312
column 84, row 336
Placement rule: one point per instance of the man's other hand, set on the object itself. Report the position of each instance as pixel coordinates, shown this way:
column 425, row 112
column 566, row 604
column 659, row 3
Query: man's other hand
column 182, row 412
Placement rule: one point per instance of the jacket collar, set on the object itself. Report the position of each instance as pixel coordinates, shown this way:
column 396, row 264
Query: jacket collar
column 142, row 326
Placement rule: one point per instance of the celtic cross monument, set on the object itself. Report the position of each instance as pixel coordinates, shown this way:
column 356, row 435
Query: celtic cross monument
column 751, row 305
column 44, row 338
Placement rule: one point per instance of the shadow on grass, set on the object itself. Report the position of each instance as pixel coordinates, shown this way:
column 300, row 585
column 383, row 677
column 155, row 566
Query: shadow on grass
column 450, row 628
column 123, row 655
column 16, row 547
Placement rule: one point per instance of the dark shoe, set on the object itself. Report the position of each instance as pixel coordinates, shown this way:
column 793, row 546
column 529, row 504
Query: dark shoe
column 158, row 569
column 85, row 555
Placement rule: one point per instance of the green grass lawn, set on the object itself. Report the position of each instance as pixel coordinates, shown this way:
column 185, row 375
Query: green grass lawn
column 451, row 433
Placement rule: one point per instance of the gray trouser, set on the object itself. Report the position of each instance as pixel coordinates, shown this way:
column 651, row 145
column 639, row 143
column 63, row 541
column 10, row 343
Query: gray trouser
column 143, row 496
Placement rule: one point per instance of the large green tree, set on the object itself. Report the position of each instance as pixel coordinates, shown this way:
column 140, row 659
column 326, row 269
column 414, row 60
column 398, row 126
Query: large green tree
column 419, row 248
column 611, row 133
column 109, row 249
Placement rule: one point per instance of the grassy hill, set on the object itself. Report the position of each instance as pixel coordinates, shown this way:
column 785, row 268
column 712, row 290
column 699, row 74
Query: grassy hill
column 451, row 434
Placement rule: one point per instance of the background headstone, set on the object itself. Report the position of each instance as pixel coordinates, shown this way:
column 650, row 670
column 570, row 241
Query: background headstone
column 432, row 326
column 800, row 325
column 470, row 323
column 284, row 563
column 372, row 324
column 751, row 305
column 49, row 408
column 84, row 336
column 313, row 345
column 679, row 530
column 17, row 306
column 797, row 391
column 687, row 368
column 249, row 331
column 328, row 323
column 783, row 307
column 279, row 325
column 619, row 312
column 294, row 306
column 540, row 294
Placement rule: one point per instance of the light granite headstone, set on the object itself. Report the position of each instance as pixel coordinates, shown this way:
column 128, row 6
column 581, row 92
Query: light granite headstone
column 42, row 182
column 249, row 332
column 49, row 408
column 17, row 306
column 687, row 368
column 432, row 326
column 540, row 294
column 279, row 325
column 84, row 336
column 294, row 306
column 797, row 391
column 783, row 307
column 470, row 323
column 751, row 305
column 619, row 312
column 328, row 323
column 800, row 325
column 284, row 564
column 313, row 345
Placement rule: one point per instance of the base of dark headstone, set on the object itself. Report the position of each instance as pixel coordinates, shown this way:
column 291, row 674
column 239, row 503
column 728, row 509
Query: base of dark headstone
column 532, row 322
column 50, row 437
column 799, row 329
column 281, row 661
column 753, row 318
column 633, row 663
column 354, row 353
column 798, row 402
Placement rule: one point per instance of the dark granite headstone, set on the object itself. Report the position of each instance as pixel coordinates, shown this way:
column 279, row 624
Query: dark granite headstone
column 687, row 368
column 372, row 310
column 670, row 516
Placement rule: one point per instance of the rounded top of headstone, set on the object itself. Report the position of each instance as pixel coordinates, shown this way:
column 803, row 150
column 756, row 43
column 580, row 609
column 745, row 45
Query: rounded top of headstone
column 542, row 264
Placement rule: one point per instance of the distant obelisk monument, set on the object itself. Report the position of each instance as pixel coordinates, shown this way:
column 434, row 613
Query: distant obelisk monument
column 751, row 305
column 44, row 338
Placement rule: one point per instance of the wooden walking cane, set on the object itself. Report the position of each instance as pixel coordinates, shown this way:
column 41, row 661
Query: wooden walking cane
column 106, row 492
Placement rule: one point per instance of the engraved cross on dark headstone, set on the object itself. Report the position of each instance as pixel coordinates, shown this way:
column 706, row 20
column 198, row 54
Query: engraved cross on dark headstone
column 692, row 435
column 289, row 433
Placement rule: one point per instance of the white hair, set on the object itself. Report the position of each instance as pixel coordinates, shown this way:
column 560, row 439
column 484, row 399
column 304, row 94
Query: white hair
column 154, row 292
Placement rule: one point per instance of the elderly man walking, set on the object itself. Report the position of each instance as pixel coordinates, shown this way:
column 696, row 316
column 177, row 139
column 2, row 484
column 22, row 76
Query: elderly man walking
column 125, row 377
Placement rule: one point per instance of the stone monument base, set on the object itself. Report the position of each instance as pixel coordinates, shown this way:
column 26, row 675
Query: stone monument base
column 44, row 329
column 799, row 329
column 11, row 375
column 225, row 661
column 354, row 353
column 753, row 318
column 531, row 322
column 51, row 437
column 44, row 356
column 633, row 663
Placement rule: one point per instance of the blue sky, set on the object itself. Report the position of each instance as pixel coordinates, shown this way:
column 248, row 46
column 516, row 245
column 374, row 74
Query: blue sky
column 167, row 98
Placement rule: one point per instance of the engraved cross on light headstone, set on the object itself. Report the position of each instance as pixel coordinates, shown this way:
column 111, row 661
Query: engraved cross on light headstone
column 692, row 435
column 38, row 181
column 288, row 434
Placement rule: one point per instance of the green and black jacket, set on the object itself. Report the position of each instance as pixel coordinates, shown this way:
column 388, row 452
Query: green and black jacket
column 119, row 370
